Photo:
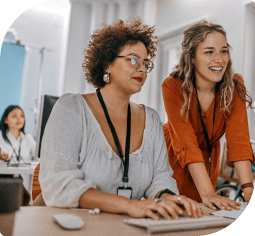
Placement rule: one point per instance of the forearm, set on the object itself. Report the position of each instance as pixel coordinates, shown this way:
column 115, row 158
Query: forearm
column 201, row 178
column 207, row 193
column 107, row 202
column 243, row 170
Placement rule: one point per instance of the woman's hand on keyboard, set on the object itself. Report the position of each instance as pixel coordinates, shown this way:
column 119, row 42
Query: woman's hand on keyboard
column 164, row 207
column 190, row 206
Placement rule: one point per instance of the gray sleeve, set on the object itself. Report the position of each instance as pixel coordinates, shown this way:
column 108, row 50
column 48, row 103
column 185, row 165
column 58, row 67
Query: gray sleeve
column 62, row 181
column 162, row 171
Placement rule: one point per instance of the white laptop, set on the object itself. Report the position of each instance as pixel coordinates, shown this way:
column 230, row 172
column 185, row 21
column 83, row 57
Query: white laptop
column 184, row 223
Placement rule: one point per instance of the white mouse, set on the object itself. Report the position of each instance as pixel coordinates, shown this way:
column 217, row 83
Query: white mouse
column 68, row 221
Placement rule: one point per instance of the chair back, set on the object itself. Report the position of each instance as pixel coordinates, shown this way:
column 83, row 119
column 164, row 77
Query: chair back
column 36, row 188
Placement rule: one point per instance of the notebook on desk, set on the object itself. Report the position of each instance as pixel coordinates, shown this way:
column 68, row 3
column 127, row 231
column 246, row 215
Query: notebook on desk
column 184, row 223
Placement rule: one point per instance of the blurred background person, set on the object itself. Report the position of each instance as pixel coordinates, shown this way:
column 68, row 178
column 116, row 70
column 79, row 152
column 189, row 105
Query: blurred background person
column 14, row 142
column 13, row 139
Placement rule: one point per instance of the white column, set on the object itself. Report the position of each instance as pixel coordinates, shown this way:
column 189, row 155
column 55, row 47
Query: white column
column 151, row 89
column 249, row 61
column 98, row 14
column 30, row 79
column 111, row 13
column 79, row 32
column 152, row 95
column 123, row 9
column 150, row 11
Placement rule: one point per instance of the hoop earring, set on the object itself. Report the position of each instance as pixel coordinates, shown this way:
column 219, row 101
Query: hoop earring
column 106, row 77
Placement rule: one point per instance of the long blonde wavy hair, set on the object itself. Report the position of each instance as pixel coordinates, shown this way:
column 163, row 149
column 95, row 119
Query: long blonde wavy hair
column 185, row 70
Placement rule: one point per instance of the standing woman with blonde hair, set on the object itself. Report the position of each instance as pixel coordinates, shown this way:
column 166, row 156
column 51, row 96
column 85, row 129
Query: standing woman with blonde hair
column 204, row 99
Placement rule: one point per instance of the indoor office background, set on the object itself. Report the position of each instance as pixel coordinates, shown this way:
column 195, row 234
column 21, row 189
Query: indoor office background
column 52, row 37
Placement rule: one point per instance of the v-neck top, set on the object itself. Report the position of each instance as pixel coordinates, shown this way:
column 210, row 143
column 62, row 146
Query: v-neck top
column 186, row 141
column 76, row 156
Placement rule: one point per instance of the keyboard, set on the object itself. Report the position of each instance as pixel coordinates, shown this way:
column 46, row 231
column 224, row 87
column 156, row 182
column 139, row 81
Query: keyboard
column 184, row 223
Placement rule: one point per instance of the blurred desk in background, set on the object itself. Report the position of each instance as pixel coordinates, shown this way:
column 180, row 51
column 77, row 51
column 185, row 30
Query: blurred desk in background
column 12, row 170
column 26, row 172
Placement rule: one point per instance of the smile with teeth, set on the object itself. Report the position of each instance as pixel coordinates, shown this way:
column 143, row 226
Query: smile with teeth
column 218, row 69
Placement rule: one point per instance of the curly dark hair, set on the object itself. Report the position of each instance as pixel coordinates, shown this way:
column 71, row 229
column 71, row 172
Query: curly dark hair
column 108, row 41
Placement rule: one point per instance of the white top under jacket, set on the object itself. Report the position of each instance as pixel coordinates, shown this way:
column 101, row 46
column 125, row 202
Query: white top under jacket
column 27, row 145
column 76, row 156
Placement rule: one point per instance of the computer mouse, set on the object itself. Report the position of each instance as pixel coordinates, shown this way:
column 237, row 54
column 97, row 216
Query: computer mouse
column 68, row 221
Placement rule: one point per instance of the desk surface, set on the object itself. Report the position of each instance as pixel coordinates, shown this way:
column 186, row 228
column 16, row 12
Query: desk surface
column 28, row 169
column 38, row 221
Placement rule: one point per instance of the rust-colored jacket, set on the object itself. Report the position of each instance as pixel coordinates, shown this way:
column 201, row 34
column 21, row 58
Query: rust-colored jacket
column 186, row 141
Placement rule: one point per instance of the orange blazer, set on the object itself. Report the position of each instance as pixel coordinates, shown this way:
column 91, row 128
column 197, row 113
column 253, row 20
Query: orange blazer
column 186, row 142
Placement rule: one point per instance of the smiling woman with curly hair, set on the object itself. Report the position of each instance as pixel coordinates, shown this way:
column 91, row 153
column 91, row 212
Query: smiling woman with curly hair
column 111, row 152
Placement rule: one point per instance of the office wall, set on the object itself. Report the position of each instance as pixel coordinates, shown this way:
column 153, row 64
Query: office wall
column 238, row 19
column 42, row 30
column 47, row 25
column 228, row 13
column 11, row 73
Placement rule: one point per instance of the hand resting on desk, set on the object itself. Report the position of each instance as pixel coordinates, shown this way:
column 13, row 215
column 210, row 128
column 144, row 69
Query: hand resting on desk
column 4, row 156
column 168, row 206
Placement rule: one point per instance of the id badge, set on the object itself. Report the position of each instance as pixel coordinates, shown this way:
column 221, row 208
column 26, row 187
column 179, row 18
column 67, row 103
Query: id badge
column 125, row 192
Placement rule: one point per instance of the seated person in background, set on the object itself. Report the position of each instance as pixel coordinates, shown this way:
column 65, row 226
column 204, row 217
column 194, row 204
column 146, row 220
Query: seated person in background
column 204, row 99
column 87, row 136
column 13, row 140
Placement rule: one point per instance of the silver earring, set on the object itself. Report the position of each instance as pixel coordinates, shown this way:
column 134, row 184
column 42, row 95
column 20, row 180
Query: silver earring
column 106, row 77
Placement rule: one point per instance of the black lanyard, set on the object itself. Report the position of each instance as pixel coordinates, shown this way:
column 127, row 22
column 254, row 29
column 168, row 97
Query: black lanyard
column 14, row 151
column 115, row 137
column 209, row 145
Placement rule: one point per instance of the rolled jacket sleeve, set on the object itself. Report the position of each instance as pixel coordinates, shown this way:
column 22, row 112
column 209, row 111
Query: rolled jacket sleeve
column 237, row 132
column 64, row 143
column 183, row 137
column 162, row 172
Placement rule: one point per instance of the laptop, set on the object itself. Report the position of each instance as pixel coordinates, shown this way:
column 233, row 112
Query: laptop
column 184, row 223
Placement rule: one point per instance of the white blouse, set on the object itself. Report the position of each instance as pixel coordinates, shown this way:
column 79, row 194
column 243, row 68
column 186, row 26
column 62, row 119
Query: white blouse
column 25, row 142
column 76, row 156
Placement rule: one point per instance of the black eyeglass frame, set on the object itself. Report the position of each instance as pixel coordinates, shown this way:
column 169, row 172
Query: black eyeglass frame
column 149, row 69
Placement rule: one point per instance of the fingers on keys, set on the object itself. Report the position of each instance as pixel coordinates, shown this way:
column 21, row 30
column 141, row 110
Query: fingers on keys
column 170, row 209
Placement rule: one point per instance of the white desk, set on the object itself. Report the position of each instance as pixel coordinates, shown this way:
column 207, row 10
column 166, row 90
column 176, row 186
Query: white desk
column 28, row 169
column 26, row 172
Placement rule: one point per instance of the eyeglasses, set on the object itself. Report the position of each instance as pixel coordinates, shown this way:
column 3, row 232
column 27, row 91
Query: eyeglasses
column 136, row 63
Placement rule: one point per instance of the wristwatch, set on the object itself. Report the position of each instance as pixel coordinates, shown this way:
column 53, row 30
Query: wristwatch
column 166, row 191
